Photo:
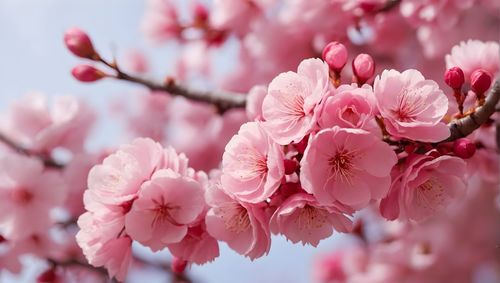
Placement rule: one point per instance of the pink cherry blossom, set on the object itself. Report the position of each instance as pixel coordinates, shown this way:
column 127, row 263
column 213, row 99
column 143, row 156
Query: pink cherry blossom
column 103, row 243
column 161, row 21
column 237, row 15
column 252, row 164
column 243, row 226
column 350, row 166
column 254, row 102
column 302, row 219
column 197, row 246
column 412, row 107
column 163, row 209
column 120, row 176
column 424, row 186
column 289, row 106
column 28, row 193
column 33, row 124
column 349, row 107
column 474, row 54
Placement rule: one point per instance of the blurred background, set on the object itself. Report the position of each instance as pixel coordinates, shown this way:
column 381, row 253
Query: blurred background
column 33, row 58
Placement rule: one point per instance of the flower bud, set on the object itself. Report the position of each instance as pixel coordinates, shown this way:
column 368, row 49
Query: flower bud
column 87, row 73
column 291, row 166
column 464, row 148
column 200, row 13
column 48, row 276
column 454, row 77
column 178, row 265
column 363, row 67
column 79, row 43
column 480, row 81
column 335, row 55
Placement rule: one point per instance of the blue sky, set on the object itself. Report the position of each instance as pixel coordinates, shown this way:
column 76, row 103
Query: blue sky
column 33, row 58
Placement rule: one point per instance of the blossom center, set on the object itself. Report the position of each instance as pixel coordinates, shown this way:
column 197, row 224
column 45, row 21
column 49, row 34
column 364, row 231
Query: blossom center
column 162, row 213
column 410, row 103
column 342, row 165
column 235, row 217
column 295, row 106
column 430, row 194
column 21, row 196
column 311, row 218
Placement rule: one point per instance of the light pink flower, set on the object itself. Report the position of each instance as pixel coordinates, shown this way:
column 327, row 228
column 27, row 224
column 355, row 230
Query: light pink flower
column 412, row 107
column 252, row 164
column 32, row 123
column 349, row 106
column 103, row 242
column 302, row 219
column 237, row 15
column 289, row 106
column 164, row 208
column 161, row 22
column 243, row 226
column 121, row 174
column 350, row 166
column 255, row 99
column 424, row 186
column 197, row 246
column 474, row 54
column 28, row 193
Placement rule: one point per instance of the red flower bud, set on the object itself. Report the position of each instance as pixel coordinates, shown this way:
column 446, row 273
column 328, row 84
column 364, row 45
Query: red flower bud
column 178, row 265
column 363, row 67
column 454, row 77
column 79, row 43
column 480, row 81
column 464, row 148
column 291, row 166
column 87, row 73
column 48, row 276
column 335, row 55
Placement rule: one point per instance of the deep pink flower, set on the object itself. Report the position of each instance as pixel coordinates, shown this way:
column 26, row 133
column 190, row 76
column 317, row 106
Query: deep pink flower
column 412, row 107
column 474, row 54
column 243, row 226
column 350, row 166
column 252, row 164
column 164, row 208
column 28, row 193
column 349, row 107
column 289, row 106
column 302, row 219
column 424, row 186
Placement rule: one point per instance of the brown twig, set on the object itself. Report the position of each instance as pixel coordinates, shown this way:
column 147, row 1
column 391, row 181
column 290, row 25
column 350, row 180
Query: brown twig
column 223, row 100
column 465, row 126
column 389, row 5
column 24, row 151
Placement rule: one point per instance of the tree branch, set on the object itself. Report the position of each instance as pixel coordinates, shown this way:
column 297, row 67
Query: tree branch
column 47, row 161
column 223, row 100
column 465, row 126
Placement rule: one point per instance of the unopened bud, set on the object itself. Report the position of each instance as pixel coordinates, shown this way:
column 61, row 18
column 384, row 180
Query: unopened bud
column 335, row 55
column 464, row 148
column 79, row 43
column 87, row 73
column 480, row 81
column 291, row 166
column 363, row 67
column 178, row 265
column 454, row 77
column 48, row 276
column 200, row 13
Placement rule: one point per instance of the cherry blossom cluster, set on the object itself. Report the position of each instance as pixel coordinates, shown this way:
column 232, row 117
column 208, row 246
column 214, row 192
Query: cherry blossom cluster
column 316, row 152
